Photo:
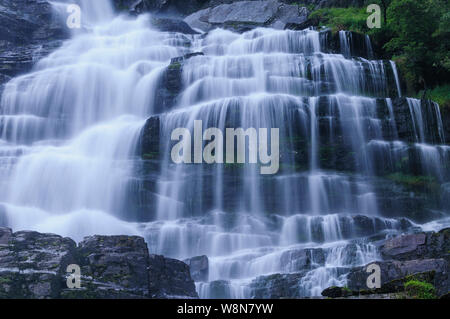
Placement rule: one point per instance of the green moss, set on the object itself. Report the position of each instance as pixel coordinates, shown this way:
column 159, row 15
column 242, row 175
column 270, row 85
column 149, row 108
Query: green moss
column 418, row 183
column 175, row 65
column 440, row 95
column 420, row 290
column 5, row 280
column 151, row 155
column 352, row 19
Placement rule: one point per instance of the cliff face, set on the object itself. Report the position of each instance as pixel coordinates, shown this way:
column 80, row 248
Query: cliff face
column 33, row 265
column 29, row 30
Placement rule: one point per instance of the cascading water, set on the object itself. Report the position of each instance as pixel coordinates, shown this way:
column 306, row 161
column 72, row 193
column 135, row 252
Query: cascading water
column 70, row 131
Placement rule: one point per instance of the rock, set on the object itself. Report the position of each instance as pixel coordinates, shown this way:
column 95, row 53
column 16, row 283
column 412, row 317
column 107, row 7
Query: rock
column 116, row 263
column 403, row 246
column 336, row 292
column 149, row 139
column 172, row 25
column 302, row 259
column 219, row 289
column 171, row 84
column 33, row 265
column 199, row 267
column 395, row 273
column 422, row 245
column 29, row 30
column 5, row 236
column 277, row 286
column 170, row 278
column 245, row 15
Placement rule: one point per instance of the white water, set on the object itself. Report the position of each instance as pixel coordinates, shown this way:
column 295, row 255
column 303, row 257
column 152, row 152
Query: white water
column 70, row 130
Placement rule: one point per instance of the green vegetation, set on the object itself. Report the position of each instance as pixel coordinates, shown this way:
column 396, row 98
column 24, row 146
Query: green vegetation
column 440, row 95
column 420, row 290
column 415, row 34
column 417, row 183
column 354, row 19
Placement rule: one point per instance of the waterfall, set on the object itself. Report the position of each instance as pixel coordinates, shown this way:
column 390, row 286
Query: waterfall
column 70, row 128
column 70, row 134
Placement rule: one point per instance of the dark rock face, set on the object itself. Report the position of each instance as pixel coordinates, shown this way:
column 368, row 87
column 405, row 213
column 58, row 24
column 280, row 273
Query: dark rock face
column 395, row 273
column 171, row 25
column 245, row 15
column 277, row 286
column 171, row 84
column 170, row 278
column 199, row 267
column 33, row 265
column 336, row 292
column 430, row 245
column 150, row 138
column 422, row 256
column 29, row 30
column 114, row 262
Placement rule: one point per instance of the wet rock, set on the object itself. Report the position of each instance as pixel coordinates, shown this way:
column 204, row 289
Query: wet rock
column 395, row 273
column 219, row 289
column 336, row 292
column 199, row 267
column 29, row 30
column 150, row 139
column 171, row 83
column 245, row 15
column 33, row 265
column 172, row 25
column 401, row 247
column 170, row 278
column 422, row 245
column 302, row 259
column 277, row 286
column 5, row 236
column 115, row 263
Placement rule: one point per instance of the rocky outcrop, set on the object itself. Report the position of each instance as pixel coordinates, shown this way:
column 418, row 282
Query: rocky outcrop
column 33, row 265
column 171, row 84
column 171, row 25
column 422, row 256
column 246, row 15
column 413, row 246
column 186, row 7
column 277, row 286
column 29, row 30
column 199, row 267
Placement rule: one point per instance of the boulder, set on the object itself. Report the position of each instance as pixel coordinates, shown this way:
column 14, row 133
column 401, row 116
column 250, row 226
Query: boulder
column 170, row 278
column 336, row 292
column 395, row 273
column 245, row 15
column 116, row 264
column 219, row 289
column 277, row 286
column 422, row 245
column 34, row 265
column 199, row 267
column 29, row 30
column 171, row 25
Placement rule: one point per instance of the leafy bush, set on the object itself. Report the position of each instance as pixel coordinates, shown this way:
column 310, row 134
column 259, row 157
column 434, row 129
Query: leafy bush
column 420, row 290
column 440, row 95
column 354, row 19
